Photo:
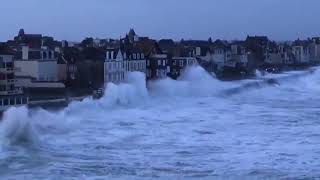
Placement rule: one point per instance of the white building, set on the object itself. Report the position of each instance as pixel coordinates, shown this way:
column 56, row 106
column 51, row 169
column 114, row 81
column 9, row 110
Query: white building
column 315, row 50
column 301, row 54
column 114, row 69
column 10, row 93
column 118, row 63
column 37, row 66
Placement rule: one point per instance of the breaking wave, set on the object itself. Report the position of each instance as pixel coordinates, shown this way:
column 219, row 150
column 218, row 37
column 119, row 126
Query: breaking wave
column 194, row 82
column 19, row 126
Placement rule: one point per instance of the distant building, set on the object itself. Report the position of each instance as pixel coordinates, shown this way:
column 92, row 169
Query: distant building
column 36, row 61
column 239, row 54
column 221, row 54
column 10, row 94
column 37, row 64
column 315, row 50
column 301, row 51
column 133, row 37
column 157, row 63
column 114, row 70
column 119, row 62
column 179, row 64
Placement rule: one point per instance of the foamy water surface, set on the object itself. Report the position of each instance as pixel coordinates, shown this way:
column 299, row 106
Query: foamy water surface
column 196, row 127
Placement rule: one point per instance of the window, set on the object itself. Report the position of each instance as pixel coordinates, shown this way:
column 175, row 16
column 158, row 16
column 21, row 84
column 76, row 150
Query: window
column 174, row 62
column 24, row 100
column 19, row 100
column 142, row 56
column 10, row 76
column 2, row 76
column 3, row 88
column 50, row 55
column 6, row 102
column 11, row 101
column 134, row 56
column 164, row 62
column 9, row 65
column 181, row 63
column 138, row 56
column 12, row 87
column 159, row 62
column 148, row 63
column 44, row 55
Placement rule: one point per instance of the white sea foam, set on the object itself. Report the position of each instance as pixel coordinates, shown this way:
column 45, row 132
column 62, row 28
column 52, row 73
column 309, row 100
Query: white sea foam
column 17, row 127
column 176, row 127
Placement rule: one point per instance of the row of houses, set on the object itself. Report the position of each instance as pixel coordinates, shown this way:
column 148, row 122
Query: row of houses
column 41, row 64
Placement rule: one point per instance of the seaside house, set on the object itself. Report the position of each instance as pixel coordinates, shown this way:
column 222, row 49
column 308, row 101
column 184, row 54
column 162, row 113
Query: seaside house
column 179, row 62
column 119, row 62
column 36, row 61
column 157, row 63
column 221, row 54
column 301, row 51
column 239, row 54
column 315, row 50
column 10, row 93
column 135, row 61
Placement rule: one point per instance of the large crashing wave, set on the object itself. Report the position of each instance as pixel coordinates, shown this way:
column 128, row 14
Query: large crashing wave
column 194, row 81
column 132, row 91
column 18, row 126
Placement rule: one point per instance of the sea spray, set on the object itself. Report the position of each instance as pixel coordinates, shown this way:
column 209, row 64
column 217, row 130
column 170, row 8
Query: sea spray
column 131, row 92
column 17, row 128
column 194, row 82
column 259, row 74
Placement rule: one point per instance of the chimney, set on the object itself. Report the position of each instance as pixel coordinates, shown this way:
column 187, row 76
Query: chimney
column 25, row 52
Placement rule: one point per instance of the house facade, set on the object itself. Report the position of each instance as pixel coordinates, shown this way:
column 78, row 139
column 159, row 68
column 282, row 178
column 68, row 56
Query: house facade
column 114, row 69
column 301, row 51
column 10, row 93
column 119, row 62
column 37, row 64
column 239, row 55
column 221, row 54
column 315, row 50
column 179, row 64
column 157, row 64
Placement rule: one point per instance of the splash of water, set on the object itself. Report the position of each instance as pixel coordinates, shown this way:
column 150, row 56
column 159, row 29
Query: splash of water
column 16, row 127
column 19, row 127
column 194, row 82
column 259, row 74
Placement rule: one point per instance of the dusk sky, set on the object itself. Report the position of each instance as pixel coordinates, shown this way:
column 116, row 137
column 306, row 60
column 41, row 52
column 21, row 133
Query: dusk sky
column 188, row 19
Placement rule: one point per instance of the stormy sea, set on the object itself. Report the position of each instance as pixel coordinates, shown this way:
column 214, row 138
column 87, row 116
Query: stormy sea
column 196, row 127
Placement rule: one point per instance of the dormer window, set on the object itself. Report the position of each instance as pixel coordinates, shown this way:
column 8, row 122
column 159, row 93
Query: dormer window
column 50, row 55
column 107, row 55
column 111, row 55
column 138, row 56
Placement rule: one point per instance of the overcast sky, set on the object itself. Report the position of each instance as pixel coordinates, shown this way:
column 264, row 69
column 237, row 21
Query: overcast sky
column 188, row 19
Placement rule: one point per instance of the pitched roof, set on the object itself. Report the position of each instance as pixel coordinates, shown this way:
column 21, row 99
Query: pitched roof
column 5, row 50
column 221, row 44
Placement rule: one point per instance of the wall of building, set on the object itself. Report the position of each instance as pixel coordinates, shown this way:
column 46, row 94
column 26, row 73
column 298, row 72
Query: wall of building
column 62, row 72
column 27, row 68
column 48, row 71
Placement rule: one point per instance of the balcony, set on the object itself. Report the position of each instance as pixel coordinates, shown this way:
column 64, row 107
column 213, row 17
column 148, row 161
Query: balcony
column 7, row 70
column 17, row 91
column 8, row 81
